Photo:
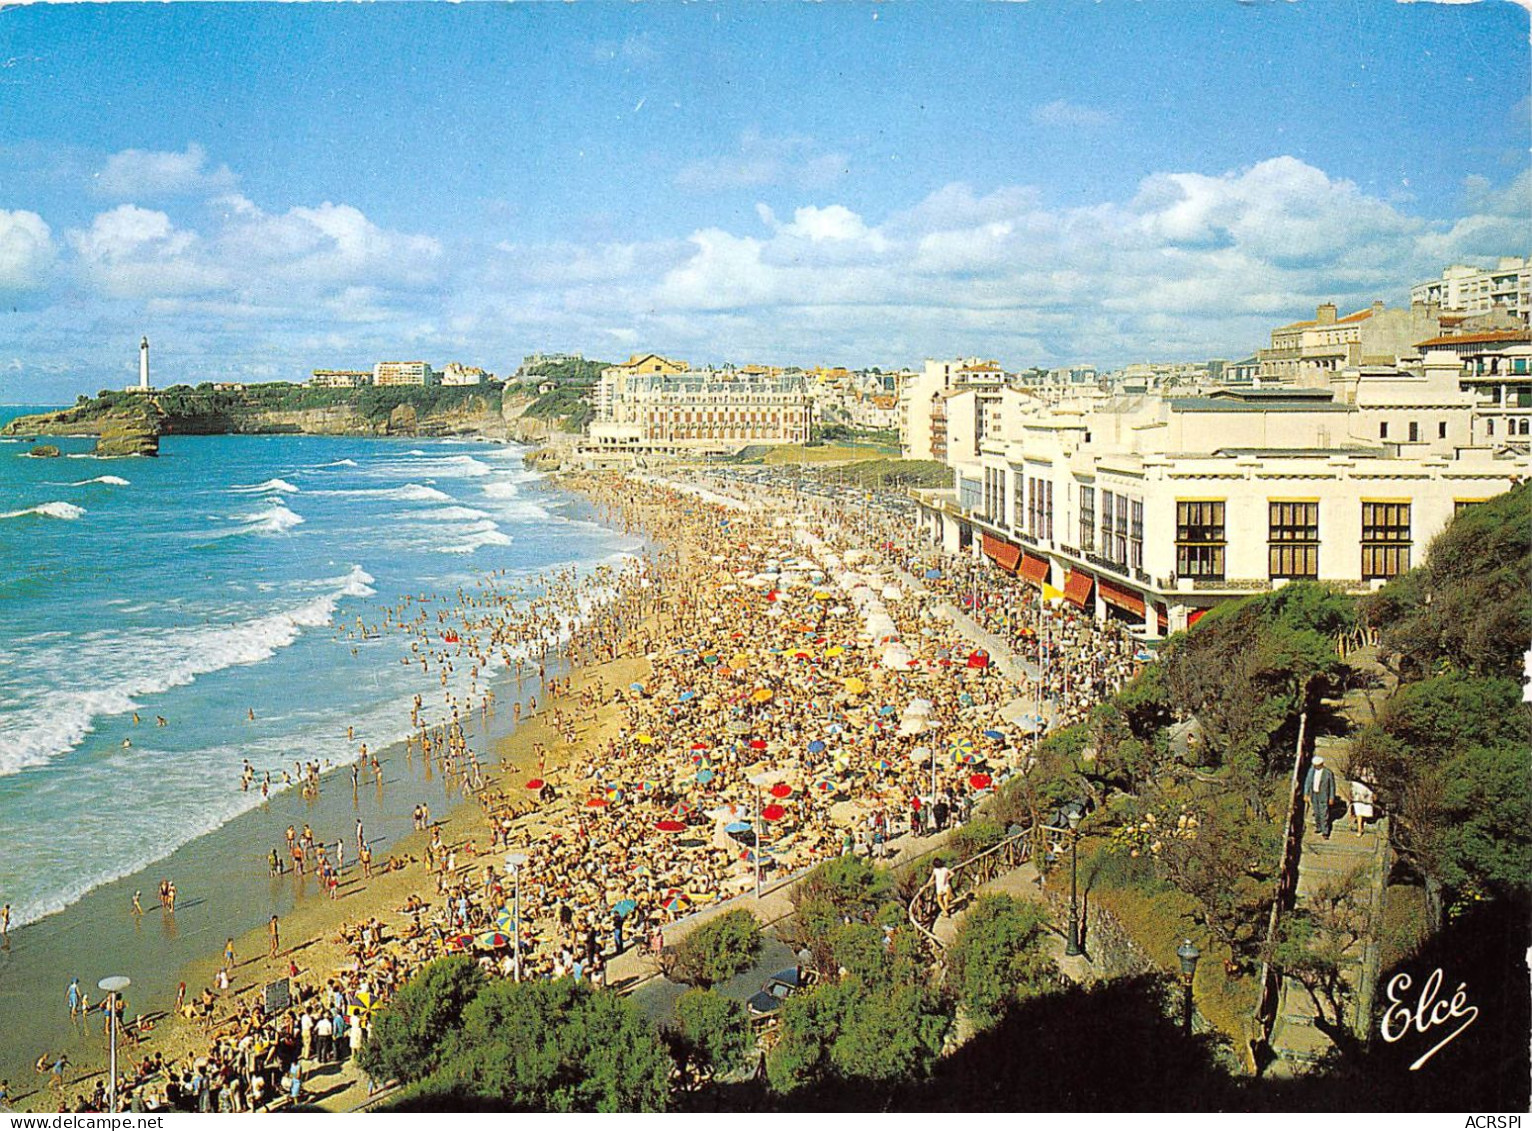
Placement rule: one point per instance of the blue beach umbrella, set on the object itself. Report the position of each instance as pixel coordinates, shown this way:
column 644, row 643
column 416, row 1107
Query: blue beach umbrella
column 704, row 776
column 933, row 575
column 687, row 696
column 625, row 907
column 995, row 734
column 816, row 746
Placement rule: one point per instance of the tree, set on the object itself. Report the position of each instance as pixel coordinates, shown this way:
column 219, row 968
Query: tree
column 710, row 1036
column 1447, row 756
column 411, row 1032
column 852, row 1031
column 844, row 889
column 999, row 958
column 1467, row 606
column 558, row 1046
column 1226, row 863
column 717, row 950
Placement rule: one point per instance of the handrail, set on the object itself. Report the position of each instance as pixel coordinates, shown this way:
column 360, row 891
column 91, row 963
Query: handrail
column 923, row 899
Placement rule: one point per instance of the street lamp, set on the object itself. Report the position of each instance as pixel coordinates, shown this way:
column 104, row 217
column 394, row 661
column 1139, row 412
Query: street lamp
column 513, row 863
column 1188, row 953
column 113, row 986
column 1073, row 946
column 760, row 781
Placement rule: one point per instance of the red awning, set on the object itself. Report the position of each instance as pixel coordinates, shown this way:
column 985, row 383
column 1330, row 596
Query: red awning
column 1077, row 588
column 1002, row 552
column 1194, row 616
column 1125, row 599
column 1033, row 569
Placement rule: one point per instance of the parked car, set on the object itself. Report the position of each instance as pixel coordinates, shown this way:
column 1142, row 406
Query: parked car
column 778, row 988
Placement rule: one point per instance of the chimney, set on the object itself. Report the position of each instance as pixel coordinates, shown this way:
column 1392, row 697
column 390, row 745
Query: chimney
column 1324, row 314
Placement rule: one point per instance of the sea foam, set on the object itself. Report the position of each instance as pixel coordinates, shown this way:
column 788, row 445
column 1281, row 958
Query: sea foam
column 54, row 509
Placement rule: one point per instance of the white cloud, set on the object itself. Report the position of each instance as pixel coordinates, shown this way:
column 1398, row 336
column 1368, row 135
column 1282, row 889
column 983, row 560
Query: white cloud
column 136, row 252
column 145, row 173
column 26, row 251
column 1060, row 114
column 760, row 160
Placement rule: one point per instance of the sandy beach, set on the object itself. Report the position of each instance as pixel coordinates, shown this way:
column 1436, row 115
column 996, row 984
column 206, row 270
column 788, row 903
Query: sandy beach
column 756, row 650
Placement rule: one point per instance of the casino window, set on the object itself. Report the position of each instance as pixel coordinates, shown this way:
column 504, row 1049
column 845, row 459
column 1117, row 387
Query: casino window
column 1087, row 519
column 1383, row 430
column 1293, row 541
column 1385, row 539
column 1441, row 429
column 1414, row 431
column 1200, row 538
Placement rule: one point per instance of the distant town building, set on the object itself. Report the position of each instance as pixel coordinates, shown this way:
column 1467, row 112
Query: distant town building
column 534, row 360
column 1307, row 353
column 456, row 373
column 665, row 414
column 921, row 417
column 612, row 387
column 339, row 378
column 404, row 373
column 1464, row 289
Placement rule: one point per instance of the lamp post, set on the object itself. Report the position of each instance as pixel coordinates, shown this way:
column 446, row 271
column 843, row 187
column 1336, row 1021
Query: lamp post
column 113, row 986
column 1073, row 946
column 513, row 863
column 760, row 781
column 1188, row 953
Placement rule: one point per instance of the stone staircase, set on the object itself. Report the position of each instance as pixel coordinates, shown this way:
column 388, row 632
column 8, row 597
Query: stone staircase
column 1297, row 1042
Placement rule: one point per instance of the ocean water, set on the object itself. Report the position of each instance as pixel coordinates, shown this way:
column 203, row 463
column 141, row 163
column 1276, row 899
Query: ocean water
column 230, row 574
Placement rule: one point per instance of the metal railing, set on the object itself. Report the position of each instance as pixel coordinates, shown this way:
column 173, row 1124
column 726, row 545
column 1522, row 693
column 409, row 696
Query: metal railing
column 973, row 873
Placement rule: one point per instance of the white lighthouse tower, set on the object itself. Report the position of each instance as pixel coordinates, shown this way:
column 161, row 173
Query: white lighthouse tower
column 143, row 365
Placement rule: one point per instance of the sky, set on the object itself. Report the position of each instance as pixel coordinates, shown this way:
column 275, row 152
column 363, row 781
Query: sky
column 265, row 190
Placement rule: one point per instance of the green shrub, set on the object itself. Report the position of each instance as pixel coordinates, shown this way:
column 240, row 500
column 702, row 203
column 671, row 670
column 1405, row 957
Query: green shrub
column 717, row 950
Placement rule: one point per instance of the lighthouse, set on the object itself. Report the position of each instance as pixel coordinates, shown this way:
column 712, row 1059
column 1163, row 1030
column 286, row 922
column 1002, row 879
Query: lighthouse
column 143, row 365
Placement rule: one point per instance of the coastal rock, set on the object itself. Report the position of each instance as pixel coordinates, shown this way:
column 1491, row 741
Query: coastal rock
column 544, row 459
column 45, row 451
column 128, row 438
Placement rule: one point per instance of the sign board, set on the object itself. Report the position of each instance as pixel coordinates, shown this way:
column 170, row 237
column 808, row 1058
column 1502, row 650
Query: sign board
column 278, row 997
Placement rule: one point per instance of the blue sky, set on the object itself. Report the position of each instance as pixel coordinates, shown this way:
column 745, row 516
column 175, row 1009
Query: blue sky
column 266, row 189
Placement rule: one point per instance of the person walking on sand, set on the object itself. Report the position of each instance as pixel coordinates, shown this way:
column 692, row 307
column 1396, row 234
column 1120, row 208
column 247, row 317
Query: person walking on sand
column 72, row 995
column 273, row 932
column 228, row 954
column 138, row 908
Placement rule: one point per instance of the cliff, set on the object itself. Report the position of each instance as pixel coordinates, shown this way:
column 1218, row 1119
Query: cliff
column 132, row 421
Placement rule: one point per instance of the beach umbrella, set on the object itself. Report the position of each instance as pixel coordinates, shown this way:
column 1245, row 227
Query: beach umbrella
column 625, row 907
column 773, row 813
column 817, row 746
column 704, row 776
column 739, row 726
column 961, row 746
column 686, row 696
column 833, row 651
column 933, row 575
column 681, row 809
column 965, row 700
column 505, row 919
column 995, row 734
column 978, row 658
column 536, row 783
column 699, row 745
column 459, row 942
column 885, row 765
column 855, row 686
column 885, row 710
column 635, row 686
column 644, row 739
column 710, row 659
column 980, row 781
column 614, row 795
column 366, row 999
column 669, row 826
column 760, row 695
column 675, row 902
column 649, row 785
column 491, row 940
column 736, row 828
column 757, row 744
column 781, row 791
column 596, row 803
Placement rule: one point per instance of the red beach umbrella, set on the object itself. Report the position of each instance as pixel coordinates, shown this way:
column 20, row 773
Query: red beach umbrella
column 773, row 813
column 757, row 744
column 536, row 783
column 979, row 781
column 781, row 791
column 670, row 826
column 596, row 803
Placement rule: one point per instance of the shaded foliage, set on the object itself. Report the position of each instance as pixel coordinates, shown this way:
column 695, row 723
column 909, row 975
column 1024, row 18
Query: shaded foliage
column 717, row 950
column 408, row 1037
column 999, row 958
column 710, row 1035
column 1467, row 607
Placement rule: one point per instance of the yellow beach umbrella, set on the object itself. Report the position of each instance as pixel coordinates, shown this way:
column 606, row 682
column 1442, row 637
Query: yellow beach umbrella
column 856, row 686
